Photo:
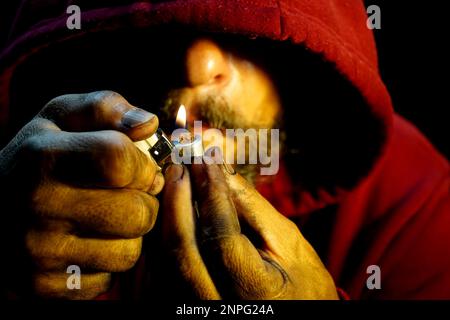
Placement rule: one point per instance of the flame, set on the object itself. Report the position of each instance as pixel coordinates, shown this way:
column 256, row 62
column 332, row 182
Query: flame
column 181, row 117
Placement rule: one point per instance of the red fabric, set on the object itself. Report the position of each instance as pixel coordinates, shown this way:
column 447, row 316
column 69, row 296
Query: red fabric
column 342, row 294
column 397, row 217
column 403, row 207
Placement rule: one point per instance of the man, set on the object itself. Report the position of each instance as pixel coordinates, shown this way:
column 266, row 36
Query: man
column 358, row 188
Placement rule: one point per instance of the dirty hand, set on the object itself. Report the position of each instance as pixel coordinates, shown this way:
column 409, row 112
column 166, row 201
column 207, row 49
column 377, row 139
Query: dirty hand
column 239, row 246
column 79, row 193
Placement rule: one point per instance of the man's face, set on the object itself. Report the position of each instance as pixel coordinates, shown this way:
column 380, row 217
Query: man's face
column 220, row 82
column 224, row 91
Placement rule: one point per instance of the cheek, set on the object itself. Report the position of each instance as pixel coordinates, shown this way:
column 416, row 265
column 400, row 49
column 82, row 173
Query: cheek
column 254, row 96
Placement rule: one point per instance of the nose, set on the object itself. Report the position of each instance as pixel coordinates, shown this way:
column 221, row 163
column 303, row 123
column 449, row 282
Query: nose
column 206, row 64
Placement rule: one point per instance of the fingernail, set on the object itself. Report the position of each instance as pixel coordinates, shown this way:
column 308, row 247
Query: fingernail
column 216, row 156
column 174, row 172
column 213, row 155
column 136, row 117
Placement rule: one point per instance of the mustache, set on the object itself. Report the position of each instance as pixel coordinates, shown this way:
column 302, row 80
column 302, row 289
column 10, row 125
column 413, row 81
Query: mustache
column 215, row 110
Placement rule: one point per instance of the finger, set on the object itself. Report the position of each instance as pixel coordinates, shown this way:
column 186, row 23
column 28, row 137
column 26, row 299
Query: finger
column 180, row 235
column 121, row 213
column 281, row 237
column 218, row 217
column 91, row 159
column 55, row 252
column 101, row 110
column 230, row 255
column 54, row 285
column 259, row 214
column 158, row 184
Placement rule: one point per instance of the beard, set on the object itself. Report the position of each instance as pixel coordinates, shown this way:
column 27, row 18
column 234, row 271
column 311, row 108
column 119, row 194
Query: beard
column 217, row 112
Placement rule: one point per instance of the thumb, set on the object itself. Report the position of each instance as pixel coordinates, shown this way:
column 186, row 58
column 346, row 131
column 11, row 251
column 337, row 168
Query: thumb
column 100, row 110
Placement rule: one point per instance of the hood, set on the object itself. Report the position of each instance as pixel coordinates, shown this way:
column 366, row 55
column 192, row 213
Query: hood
column 335, row 30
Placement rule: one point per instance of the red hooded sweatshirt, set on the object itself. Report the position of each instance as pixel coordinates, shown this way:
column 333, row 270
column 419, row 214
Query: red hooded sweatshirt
column 395, row 214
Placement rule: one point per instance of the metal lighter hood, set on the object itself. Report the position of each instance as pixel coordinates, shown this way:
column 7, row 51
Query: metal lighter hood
column 158, row 146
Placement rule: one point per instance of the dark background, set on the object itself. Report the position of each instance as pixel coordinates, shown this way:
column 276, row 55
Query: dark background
column 412, row 61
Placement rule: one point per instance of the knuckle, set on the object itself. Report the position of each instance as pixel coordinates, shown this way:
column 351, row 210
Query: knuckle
column 54, row 285
column 291, row 226
column 43, row 199
column 33, row 147
column 115, row 142
column 44, row 263
column 179, row 246
column 122, row 163
column 228, row 246
column 130, row 252
column 101, row 101
column 57, row 107
column 220, row 243
column 157, row 185
column 145, row 212
column 47, row 250
column 34, row 246
column 37, row 200
column 104, row 96
column 97, row 285
column 118, row 161
column 146, row 168
column 153, row 208
column 55, row 102
column 184, row 258
column 37, row 155
column 117, row 256
column 44, row 286
column 30, row 244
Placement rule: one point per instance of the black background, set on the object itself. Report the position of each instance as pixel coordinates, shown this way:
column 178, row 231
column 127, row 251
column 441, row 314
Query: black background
column 413, row 63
